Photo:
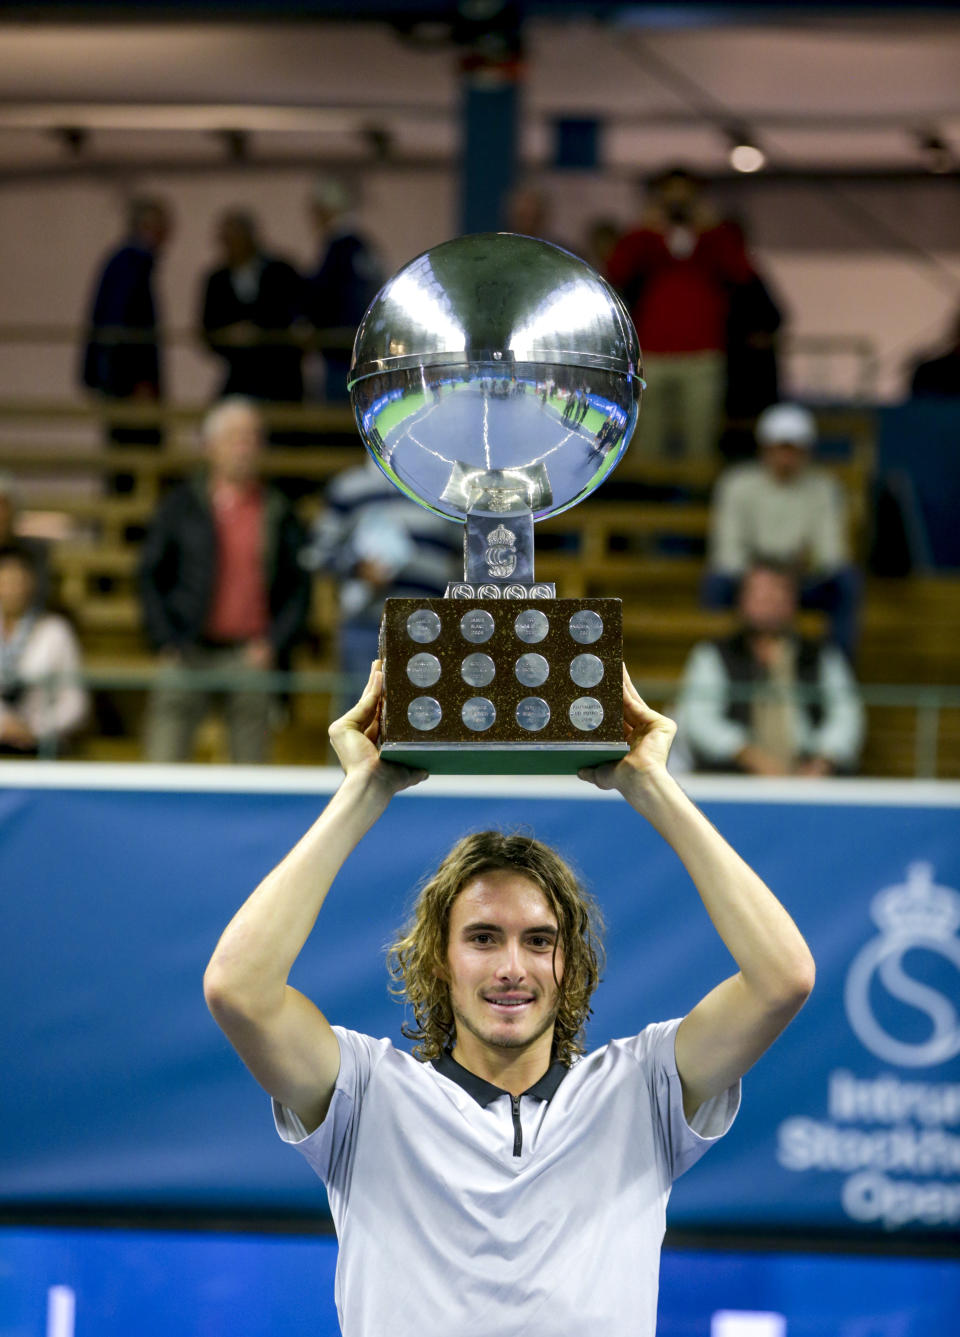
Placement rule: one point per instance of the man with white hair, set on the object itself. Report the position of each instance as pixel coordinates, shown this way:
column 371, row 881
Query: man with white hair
column 784, row 508
column 347, row 278
column 222, row 591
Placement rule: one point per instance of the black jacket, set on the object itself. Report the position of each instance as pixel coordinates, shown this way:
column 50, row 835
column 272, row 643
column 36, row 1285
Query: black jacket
column 177, row 569
column 123, row 300
column 267, row 370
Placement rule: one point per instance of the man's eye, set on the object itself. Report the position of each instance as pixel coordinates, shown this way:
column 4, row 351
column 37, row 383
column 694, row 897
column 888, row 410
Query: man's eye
column 541, row 942
column 481, row 938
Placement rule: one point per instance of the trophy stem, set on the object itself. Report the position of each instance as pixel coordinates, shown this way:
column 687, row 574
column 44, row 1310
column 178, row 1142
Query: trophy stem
column 498, row 549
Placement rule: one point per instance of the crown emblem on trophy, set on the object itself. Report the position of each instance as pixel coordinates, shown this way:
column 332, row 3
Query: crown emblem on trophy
column 917, row 908
column 501, row 553
column 501, row 537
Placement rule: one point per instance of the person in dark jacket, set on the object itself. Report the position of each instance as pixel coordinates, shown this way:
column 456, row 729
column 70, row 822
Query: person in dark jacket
column 122, row 357
column 939, row 377
column 222, row 590
column 347, row 278
column 251, row 306
column 766, row 701
column 754, row 320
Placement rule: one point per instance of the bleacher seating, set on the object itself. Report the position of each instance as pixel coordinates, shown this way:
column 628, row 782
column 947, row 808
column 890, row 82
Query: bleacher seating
column 647, row 552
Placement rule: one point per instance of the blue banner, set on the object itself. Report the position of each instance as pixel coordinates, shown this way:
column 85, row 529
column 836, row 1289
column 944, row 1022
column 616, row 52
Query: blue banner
column 120, row 1090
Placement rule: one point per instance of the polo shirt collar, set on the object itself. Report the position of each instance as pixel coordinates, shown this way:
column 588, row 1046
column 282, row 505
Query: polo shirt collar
column 485, row 1093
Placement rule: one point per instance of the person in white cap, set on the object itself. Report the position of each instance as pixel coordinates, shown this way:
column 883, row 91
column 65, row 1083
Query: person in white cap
column 785, row 508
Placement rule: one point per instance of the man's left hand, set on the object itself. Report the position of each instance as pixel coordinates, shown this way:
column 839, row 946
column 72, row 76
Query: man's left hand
column 649, row 736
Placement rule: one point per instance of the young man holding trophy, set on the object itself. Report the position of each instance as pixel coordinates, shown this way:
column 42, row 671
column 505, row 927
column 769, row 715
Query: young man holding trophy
column 500, row 1179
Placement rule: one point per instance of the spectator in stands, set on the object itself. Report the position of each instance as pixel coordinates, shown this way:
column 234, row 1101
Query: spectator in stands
column 753, row 325
column 35, row 548
column 786, row 508
column 600, row 239
column 675, row 271
column 765, row 701
column 42, row 701
column 528, row 211
column 123, row 355
column 378, row 544
column 347, row 278
column 222, row 590
column 251, row 306
column 939, row 376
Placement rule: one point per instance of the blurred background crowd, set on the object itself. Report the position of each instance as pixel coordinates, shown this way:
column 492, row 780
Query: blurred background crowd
column 194, row 549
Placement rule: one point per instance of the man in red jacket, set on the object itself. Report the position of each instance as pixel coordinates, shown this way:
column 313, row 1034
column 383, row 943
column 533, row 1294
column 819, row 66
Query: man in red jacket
column 675, row 271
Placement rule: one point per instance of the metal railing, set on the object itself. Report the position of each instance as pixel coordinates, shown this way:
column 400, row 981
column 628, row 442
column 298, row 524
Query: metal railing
column 929, row 702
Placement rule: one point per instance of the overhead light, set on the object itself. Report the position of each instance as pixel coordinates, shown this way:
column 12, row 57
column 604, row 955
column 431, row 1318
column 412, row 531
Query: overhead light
column 937, row 153
column 72, row 137
column 236, row 143
column 745, row 154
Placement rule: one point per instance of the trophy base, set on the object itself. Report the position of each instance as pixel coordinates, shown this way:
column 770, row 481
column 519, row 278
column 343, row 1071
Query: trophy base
column 502, row 686
column 500, row 759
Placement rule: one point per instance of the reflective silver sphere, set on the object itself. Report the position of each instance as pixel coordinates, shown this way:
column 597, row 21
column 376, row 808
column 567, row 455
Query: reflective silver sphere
column 496, row 373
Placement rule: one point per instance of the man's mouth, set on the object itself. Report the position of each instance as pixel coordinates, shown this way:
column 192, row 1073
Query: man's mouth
column 507, row 1002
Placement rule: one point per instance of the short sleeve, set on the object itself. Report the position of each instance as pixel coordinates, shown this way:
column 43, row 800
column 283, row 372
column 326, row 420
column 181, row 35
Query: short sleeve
column 329, row 1148
column 680, row 1144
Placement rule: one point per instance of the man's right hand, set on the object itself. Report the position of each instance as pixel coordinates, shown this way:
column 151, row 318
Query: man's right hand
column 356, row 734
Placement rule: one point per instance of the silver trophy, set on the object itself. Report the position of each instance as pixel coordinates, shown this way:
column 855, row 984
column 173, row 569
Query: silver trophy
column 496, row 380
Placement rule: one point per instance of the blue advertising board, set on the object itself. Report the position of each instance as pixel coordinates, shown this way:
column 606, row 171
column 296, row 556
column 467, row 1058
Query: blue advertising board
column 114, row 1283
column 119, row 1090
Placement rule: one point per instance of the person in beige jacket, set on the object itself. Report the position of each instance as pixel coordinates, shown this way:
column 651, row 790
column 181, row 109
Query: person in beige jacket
column 783, row 507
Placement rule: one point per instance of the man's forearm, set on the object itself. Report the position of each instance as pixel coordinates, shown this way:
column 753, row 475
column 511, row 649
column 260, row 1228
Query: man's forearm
column 260, row 944
column 759, row 934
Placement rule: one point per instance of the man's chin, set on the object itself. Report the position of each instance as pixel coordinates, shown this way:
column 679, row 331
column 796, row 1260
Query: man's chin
column 506, row 1034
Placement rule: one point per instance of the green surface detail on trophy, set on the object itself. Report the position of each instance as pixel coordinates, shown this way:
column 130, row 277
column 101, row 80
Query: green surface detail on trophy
column 496, row 380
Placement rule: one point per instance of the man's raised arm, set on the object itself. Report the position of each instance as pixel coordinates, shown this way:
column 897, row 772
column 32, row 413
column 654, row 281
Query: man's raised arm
column 730, row 1028
column 282, row 1037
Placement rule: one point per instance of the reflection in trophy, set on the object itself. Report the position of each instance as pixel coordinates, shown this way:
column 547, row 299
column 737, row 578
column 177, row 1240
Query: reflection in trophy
column 496, row 380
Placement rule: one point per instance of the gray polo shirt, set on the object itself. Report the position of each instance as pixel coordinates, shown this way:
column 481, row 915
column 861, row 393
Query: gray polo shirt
column 462, row 1212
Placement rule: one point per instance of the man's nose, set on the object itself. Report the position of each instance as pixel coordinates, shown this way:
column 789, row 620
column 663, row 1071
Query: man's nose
column 510, row 966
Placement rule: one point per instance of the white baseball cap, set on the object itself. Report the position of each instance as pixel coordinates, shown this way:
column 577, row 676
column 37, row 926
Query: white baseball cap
column 786, row 423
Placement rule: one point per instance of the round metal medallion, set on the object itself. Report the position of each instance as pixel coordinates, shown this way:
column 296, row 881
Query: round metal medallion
column 424, row 713
column 476, row 626
column 477, row 670
column 586, row 626
column 423, row 626
column 532, row 670
column 586, row 670
column 586, row 713
column 533, row 713
column 423, row 669
column 478, row 713
column 531, row 625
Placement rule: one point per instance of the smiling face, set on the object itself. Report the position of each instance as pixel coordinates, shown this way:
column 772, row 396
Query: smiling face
column 502, row 953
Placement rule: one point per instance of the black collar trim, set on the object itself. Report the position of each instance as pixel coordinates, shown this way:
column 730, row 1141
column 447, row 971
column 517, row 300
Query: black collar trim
column 485, row 1093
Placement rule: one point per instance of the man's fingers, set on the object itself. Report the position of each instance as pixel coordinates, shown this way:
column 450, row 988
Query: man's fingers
column 360, row 713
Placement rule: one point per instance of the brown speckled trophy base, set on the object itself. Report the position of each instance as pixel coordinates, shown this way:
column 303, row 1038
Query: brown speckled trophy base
column 451, row 746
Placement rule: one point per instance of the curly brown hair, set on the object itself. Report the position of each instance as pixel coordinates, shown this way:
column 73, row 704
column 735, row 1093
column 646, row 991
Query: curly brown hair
column 417, row 959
